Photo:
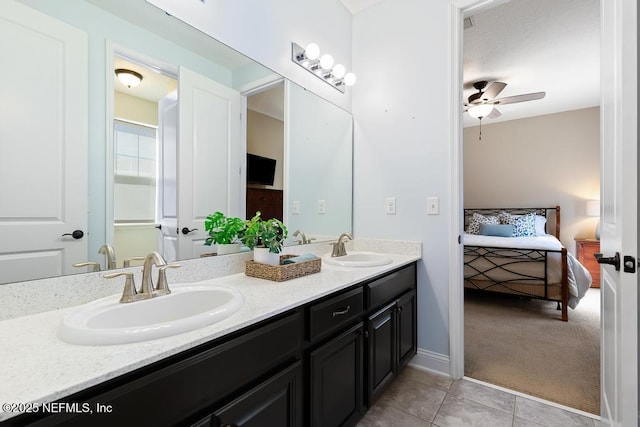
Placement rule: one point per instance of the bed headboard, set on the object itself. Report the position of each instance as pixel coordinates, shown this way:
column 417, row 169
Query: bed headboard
column 552, row 215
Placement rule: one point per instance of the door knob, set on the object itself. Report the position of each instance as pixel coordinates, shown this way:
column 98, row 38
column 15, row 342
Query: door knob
column 186, row 230
column 77, row 234
column 159, row 226
column 614, row 260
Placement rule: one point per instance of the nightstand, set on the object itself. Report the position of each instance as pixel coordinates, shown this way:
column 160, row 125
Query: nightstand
column 585, row 249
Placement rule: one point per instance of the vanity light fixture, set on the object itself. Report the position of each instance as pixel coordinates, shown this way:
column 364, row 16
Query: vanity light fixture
column 129, row 78
column 322, row 66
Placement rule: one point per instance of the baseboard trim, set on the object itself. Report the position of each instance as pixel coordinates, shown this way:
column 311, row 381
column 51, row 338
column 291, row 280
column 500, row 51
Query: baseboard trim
column 431, row 361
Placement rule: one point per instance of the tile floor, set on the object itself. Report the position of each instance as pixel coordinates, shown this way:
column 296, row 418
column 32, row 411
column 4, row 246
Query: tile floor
column 419, row 399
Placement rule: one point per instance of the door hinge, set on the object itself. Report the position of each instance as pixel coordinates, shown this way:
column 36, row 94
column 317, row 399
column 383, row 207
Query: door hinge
column 629, row 264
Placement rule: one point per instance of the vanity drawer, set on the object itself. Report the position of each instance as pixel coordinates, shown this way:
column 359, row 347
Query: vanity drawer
column 335, row 312
column 383, row 290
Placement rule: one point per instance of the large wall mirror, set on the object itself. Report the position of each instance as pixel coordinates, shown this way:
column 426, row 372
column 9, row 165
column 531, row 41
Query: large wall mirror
column 91, row 163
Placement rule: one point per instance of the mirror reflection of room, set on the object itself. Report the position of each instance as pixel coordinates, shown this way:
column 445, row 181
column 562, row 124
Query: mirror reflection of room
column 265, row 152
column 135, row 154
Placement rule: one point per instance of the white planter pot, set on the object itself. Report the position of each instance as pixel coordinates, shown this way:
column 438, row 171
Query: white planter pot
column 230, row 248
column 263, row 256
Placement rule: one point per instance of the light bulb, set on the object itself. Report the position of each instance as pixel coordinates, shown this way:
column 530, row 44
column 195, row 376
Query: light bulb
column 312, row 51
column 338, row 71
column 349, row 79
column 326, row 61
column 480, row 110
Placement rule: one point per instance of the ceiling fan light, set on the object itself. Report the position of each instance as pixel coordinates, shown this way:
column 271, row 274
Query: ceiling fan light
column 480, row 111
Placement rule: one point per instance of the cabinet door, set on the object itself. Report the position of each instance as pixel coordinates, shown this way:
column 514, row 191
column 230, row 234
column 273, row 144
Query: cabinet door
column 336, row 380
column 276, row 402
column 407, row 331
column 381, row 345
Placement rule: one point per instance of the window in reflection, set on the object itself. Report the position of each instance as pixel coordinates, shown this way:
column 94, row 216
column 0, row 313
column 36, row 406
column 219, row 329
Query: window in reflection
column 134, row 190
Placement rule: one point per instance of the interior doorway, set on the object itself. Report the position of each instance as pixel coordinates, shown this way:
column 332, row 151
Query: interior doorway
column 587, row 224
column 265, row 161
column 139, row 85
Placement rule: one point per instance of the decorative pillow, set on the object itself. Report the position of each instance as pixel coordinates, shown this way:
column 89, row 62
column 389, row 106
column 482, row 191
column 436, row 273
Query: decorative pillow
column 500, row 230
column 541, row 223
column 477, row 219
column 524, row 225
column 505, row 217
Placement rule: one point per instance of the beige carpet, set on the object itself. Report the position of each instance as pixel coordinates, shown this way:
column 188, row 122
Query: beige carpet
column 522, row 345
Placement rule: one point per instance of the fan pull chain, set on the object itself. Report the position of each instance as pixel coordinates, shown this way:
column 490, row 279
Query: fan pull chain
column 480, row 137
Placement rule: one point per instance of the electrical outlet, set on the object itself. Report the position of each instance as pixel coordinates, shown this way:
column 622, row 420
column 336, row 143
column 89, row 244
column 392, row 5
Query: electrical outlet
column 390, row 206
column 295, row 209
column 433, row 206
column 322, row 209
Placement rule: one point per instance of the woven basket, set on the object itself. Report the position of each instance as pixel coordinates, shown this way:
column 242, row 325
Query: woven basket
column 280, row 273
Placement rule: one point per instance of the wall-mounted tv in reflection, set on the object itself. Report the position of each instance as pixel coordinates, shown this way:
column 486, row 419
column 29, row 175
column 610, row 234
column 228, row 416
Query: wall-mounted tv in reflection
column 260, row 170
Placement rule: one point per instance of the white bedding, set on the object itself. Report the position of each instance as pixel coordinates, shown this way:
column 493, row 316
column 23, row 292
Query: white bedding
column 579, row 278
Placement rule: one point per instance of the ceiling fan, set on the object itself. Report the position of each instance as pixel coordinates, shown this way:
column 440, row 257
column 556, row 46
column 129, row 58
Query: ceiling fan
column 482, row 103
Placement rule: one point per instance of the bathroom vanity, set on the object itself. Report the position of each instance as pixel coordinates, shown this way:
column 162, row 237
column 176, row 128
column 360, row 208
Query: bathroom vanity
column 313, row 351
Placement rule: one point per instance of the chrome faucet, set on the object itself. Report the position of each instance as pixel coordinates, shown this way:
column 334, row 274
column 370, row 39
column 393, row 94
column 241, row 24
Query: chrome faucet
column 303, row 240
column 338, row 247
column 108, row 250
column 154, row 258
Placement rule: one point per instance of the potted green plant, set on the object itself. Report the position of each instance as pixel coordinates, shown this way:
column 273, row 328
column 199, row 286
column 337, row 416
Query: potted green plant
column 265, row 237
column 225, row 232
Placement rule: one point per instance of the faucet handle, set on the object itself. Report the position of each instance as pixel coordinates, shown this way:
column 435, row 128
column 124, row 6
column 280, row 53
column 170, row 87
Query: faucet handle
column 95, row 266
column 162, row 287
column 127, row 262
column 129, row 294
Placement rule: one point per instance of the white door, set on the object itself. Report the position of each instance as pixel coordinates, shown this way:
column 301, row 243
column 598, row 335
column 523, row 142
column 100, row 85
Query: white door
column 208, row 155
column 43, row 145
column 619, row 351
column 167, row 176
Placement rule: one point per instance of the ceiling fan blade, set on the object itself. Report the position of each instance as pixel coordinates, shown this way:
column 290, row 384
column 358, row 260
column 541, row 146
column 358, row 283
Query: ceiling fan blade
column 494, row 114
column 493, row 90
column 519, row 98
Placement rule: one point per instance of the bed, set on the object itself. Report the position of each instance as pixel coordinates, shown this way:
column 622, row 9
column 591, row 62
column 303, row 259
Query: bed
column 533, row 264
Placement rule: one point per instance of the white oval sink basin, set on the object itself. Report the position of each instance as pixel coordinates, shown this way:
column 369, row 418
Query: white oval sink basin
column 187, row 307
column 358, row 259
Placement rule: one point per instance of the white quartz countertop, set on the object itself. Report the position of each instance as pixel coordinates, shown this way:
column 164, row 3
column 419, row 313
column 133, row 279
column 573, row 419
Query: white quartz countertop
column 38, row 367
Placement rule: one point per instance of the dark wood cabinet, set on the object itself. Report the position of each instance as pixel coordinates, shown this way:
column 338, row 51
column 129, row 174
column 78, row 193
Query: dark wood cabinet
column 336, row 380
column 268, row 202
column 391, row 343
column 276, row 402
column 407, row 307
column 381, row 349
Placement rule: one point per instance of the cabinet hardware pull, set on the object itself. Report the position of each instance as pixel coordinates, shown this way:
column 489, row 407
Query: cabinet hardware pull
column 341, row 312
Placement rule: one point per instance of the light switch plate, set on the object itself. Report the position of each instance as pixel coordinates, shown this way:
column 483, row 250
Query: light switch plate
column 295, row 209
column 322, row 209
column 390, row 206
column 433, row 206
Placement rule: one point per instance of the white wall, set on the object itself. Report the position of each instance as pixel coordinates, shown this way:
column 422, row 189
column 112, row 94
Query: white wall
column 540, row 161
column 402, row 142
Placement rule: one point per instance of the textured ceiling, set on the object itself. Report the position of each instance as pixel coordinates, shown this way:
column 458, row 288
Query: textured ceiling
column 533, row 46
